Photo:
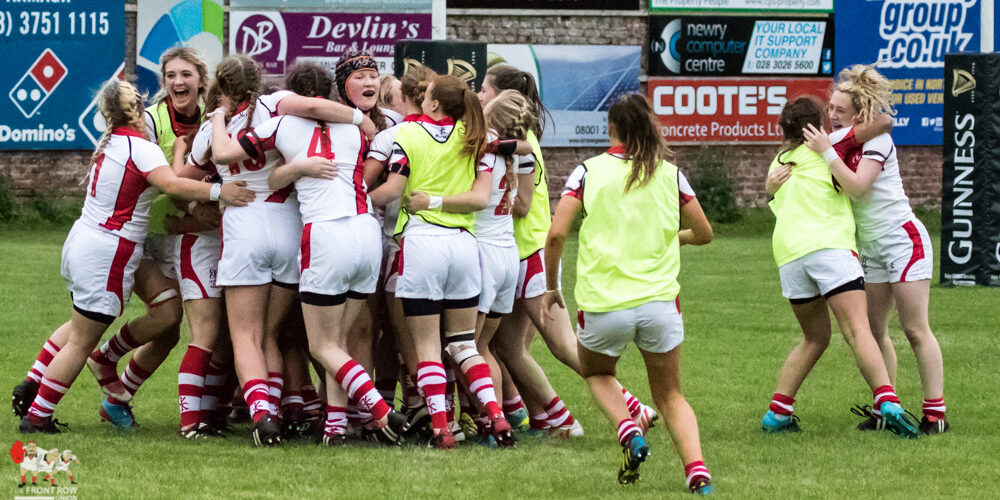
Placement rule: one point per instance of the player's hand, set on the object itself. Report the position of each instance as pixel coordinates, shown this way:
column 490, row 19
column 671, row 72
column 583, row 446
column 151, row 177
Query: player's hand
column 777, row 177
column 551, row 297
column 207, row 214
column 319, row 167
column 368, row 127
column 236, row 194
column 220, row 111
column 417, row 201
column 816, row 139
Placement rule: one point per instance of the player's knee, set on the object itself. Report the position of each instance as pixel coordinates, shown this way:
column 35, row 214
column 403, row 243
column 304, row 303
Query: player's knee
column 461, row 346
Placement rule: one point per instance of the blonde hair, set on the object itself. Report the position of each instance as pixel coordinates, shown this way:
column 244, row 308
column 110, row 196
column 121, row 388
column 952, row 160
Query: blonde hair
column 871, row 93
column 121, row 105
column 190, row 56
column 385, row 91
column 511, row 115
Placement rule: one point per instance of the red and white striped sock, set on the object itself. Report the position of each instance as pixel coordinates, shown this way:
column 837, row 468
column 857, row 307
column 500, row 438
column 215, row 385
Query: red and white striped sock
column 513, row 404
column 449, row 394
column 336, row 421
column 191, row 384
column 37, row 370
column 782, row 405
column 537, row 422
column 255, row 394
column 883, row 394
column 633, row 403
column 411, row 394
column 694, row 472
column 50, row 392
column 215, row 378
column 275, row 384
column 431, row 381
column 626, row 430
column 557, row 414
column 358, row 385
column 312, row 401
column 480, row 384
column 116, row 347
column 133, row 377
column 291, row 403
column 934, row 409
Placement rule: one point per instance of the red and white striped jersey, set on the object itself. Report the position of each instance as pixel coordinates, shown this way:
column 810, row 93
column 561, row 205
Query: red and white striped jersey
column 298, row 138
column 495, row 224
column 254, row 171
column 118, row 195
column 886, row 206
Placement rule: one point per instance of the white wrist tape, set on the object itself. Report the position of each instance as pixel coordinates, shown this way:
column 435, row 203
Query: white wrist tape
column 358, row 117
column 435, row 202
column 830, row 155
column 215, row 192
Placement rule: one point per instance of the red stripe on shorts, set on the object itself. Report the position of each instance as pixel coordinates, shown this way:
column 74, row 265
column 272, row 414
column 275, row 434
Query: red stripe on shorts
column 187, row 267
column 399, row 257
column 533, row 267
column 116, row 275
column 918, row 247
column 360, row 193
column 306, row 234
column 579, row 318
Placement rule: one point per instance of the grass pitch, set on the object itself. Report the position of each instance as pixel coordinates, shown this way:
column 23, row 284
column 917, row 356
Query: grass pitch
column 738, row 329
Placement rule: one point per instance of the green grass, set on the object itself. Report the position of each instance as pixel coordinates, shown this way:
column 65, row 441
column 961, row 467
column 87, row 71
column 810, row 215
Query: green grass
column 739, row 330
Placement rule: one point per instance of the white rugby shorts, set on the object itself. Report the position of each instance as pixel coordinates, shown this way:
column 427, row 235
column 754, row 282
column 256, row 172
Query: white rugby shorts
column 438, row 267
column 499, row 267
column 903, row 254
column 341, row 255
column 653, row 327
column 817, row 273
column 161, row 250
column 100, row 268
column 531, row 276
column 390, row 263
column 260, row 244
column 198, row 265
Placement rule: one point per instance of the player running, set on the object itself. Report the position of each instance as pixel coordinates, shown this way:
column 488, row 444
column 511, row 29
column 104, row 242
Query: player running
column 638, row 210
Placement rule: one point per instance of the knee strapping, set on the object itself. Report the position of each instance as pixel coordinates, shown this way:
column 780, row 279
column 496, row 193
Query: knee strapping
column 461, row 346
column 162, row 297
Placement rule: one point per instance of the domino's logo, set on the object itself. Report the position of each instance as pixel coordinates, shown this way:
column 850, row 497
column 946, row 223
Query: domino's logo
column 38, row 83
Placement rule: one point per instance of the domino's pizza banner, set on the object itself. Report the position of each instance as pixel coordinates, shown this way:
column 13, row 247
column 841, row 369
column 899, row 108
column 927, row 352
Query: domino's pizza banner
column 163, row 24
column 55, row 58
column 733, row 46
column 910, row 39
column 577, row 83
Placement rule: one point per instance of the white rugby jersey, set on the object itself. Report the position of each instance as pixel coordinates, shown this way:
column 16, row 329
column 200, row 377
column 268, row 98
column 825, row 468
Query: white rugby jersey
column 254, row 171
column 381, row 149
column 577, row 179
column 298, row 138
column 886, row 206
column 118, row 194
column 495, row 224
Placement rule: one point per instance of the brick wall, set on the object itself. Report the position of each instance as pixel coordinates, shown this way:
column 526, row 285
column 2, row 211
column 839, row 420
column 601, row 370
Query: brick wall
column 59, row 172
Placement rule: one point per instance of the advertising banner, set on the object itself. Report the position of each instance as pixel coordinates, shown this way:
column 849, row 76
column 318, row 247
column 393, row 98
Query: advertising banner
column 464, row 60
column 733, row 46
column 909, row 38
column 744, row 5
column 163, row 24
column 277, row 39
column 546, row 4
column 51, row 73
column 338, row 5
column 726, row 110
column 970, row 187
column 577, row 84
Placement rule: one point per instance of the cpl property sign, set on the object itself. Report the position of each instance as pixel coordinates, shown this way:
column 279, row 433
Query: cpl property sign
column 56, row 56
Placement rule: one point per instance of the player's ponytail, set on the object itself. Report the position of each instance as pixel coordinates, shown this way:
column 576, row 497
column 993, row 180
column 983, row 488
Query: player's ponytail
column 237, row 77
column 631, row 121
column 511, row 116
column 413, row 85
column 460, row 103
column 871, row 93
column 122, row 106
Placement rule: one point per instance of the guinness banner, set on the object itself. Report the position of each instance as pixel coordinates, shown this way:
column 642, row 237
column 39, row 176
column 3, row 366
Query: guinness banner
column 465, row 60
column 970, row 188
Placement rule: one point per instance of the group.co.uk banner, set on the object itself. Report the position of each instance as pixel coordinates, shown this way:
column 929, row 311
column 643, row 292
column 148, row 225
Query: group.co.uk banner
column 577, row 84
column 732, row 46
column 908, row 39
column 277, row 39
column 163, row 24
column 743, row 5
column 727, row 110
column 51, row 77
